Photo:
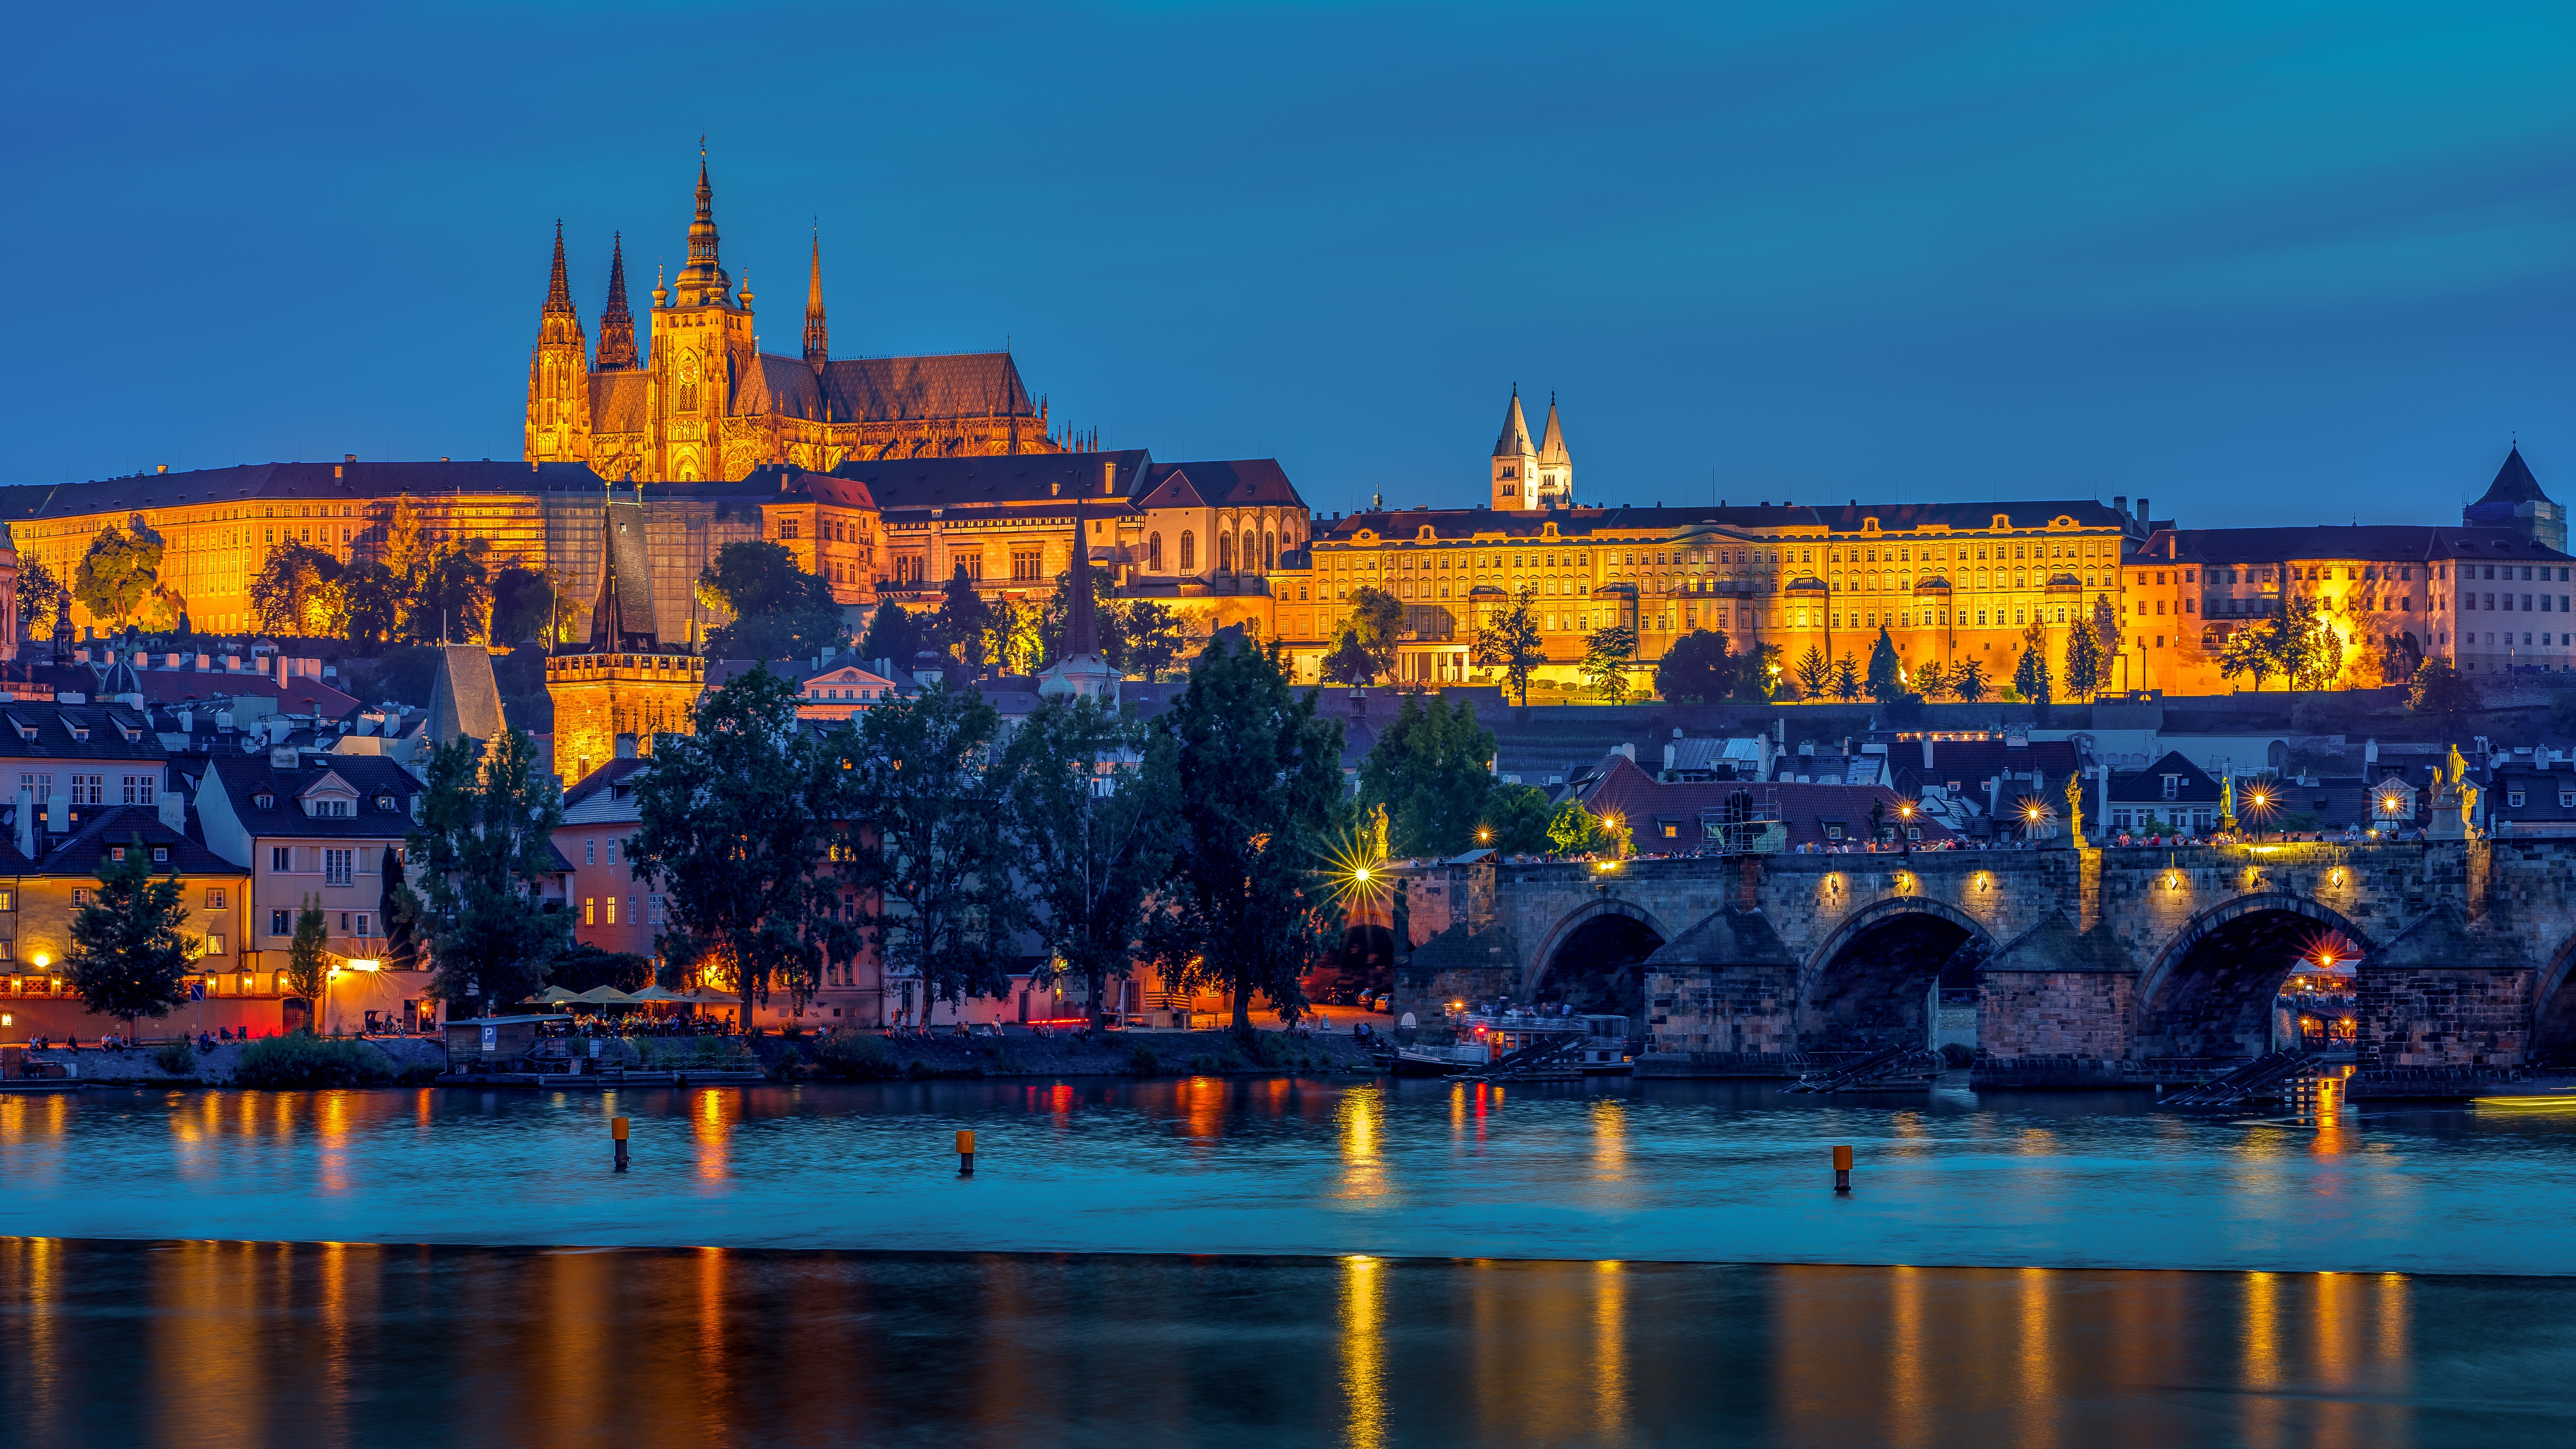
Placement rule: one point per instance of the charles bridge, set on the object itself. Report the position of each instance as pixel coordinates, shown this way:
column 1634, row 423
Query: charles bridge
column 2108, row 960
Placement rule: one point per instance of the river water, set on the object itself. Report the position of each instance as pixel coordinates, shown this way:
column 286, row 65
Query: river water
column 1275, row 1261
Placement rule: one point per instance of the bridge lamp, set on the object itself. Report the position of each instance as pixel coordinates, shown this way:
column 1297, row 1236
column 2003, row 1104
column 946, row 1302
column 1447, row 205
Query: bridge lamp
column 2337, row 875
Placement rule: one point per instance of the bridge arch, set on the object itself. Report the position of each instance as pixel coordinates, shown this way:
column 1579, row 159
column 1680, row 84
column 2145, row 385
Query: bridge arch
column 2209, row 992
column 1870, row 979
column 2553, row 1010
column 1594, row 958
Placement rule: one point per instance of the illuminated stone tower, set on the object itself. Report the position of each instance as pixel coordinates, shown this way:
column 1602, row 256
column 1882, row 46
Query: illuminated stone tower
column 703, row 349
column 818, row 338
column 1515, row 461
column 616, row 324
column 611, row 699
column 558, row 427
column 1555, row 464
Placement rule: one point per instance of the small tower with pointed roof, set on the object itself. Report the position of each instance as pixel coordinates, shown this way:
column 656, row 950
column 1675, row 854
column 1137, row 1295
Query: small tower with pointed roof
column 704, row 353
column 558, row 425
column 2514, row 501
column 616, row 323
column 1555, row 464
column 1515, row 475
column 1081, row 669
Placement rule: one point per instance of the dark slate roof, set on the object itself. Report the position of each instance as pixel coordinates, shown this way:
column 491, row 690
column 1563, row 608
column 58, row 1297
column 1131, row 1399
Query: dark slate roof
column 891, row 389
column 613, row 773
column 464, row 698
column 2368, row 542
column 300, row 695
column 332, row 481
column 2514, row 483
column 2055, row 945
column 1730, row 937
column 623, row 613
column 247, row 777
column 2147, row 786
column 1236, row 482
column 1973, row 762
column 1638, row 799
column 2540, row 790
column 1051, row 478
column 33, row 731
column 618, row 401
column 2022, row 514
column 84, row 852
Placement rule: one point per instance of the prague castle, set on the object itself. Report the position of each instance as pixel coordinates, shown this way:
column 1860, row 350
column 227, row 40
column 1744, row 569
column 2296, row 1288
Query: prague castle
column 699, row 399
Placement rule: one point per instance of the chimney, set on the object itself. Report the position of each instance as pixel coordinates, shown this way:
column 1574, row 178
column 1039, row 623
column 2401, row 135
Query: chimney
column 1108, row 477
column 174, row 809
column 2142, row 508
column 1668, row 759
column 626, row 747
column 348, row 457
column 58, row 815
column 2120, row 503
column 160, row 467
column 27, row 824
column 1927, row 754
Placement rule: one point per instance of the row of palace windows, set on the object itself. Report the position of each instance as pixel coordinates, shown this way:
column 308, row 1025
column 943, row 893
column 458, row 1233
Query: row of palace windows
column 1257, row 553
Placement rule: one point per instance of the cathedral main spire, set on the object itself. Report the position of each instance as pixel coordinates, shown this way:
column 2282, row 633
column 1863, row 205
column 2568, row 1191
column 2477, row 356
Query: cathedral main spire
column 558, row 325
column 616, row 324
column 558, row 286
column 703, row 280
column 818, row 338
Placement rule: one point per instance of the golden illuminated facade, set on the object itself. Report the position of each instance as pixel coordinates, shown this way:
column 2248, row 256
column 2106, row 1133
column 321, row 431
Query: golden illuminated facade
column 701, row 401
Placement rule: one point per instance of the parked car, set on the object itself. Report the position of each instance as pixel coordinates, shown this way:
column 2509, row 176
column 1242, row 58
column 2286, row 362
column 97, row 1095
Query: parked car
column 1381, row 1001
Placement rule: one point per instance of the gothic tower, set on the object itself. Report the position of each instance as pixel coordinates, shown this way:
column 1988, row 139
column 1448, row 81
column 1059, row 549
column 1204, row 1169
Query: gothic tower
column 1515, row 461
column 703, row 349
column 818, row 338
column 558, row 428
column 1555, row 464
column 616, row 324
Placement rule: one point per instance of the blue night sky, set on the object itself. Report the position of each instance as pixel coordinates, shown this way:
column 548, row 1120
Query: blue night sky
column 2263, row 263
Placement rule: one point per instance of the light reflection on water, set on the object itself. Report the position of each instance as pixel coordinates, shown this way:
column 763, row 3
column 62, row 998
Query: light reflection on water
column 257, row 1344
column 1626, row 1171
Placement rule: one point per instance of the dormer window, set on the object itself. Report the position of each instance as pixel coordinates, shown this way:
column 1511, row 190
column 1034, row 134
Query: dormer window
column 263, row 802
column 384, row 802
column 160, row 855
column 2513, row 798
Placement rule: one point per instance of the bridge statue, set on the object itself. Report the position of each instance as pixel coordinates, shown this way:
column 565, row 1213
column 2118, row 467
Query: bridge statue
column 2075, row 809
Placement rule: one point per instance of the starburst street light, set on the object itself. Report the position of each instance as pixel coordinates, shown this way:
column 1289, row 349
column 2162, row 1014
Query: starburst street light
column 1355, row 867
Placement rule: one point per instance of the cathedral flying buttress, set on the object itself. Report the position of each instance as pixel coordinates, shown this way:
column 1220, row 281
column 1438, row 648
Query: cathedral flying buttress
column 699, row 400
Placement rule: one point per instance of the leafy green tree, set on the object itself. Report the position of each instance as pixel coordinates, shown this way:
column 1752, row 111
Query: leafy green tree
column 963, row 623
column 1350, row 662
column 452, row 596
column 1931, row 680
column 1886, row 676
column 40, row 595
column 2030, row 672
column 1698, row 667
column 128, row 957
column 581, row 966
column 372, row 603
column 1154, row 639
column 529, row 604
column 1606, row 656
column 308, row 961
column 1086, row 805
column 297, row 592
column 930, row 781
column 2107, row 637
column 2441, row 693
column 779, row 610
column 1814, row 673
column 1255, row 782
column 1968, row 680
column 894, row 633
column 2083, row 662
column 1760, row 676
column 120, row 571
column 1376, row 620
column 1510, row 641
column 731, row 831
column 2247, row 652
column 1515, row 820
column 483, row 850
column 1575, row 830
column 1430, row 770
column 1109, row 618
column 1848, row 682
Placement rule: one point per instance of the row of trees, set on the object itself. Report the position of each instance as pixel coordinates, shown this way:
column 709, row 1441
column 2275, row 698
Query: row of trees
column 919, row 829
